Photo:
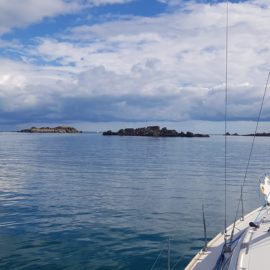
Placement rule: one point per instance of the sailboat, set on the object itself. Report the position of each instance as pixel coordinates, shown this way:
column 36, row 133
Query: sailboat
column 245, row 244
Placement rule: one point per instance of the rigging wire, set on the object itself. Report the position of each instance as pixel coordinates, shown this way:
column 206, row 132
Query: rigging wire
column 179, row 260
column 204, row 230
column 225, row 127
column 155, row 262
column 250, row 154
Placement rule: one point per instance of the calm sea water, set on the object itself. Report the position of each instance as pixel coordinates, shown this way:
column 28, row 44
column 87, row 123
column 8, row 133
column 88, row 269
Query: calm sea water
column 92, row 202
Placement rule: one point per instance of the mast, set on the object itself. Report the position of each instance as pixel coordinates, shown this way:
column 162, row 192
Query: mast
column 225, row 124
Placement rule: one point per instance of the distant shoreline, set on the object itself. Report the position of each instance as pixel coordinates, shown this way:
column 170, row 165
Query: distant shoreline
column 71, row 130
column 263, row 134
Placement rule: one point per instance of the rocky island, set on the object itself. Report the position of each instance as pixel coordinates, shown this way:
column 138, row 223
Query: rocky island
column 153, row 131
column 60, row 129
column 263, row 134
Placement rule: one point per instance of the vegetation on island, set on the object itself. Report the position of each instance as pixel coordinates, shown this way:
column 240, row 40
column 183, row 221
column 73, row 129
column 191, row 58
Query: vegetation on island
column 153, row 131
column 59, row 129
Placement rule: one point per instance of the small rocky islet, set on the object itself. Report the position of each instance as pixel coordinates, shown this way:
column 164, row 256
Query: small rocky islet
column 59, row 129
column 263, row 134
column 153, row 131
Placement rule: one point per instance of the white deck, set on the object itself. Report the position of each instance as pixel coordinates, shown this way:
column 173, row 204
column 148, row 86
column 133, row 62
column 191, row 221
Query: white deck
column 250, row 252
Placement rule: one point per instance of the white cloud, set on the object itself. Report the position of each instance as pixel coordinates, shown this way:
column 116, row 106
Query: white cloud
column 171, row 2
column 20, row 14
column 187, row 45
column 17, row 13
column 107, row 2
column 169, row 67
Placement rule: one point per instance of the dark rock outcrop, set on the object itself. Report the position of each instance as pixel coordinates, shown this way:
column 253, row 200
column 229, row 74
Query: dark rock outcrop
column 231, row 134
column 264, row 134
column 152, row 131
column 60, row 129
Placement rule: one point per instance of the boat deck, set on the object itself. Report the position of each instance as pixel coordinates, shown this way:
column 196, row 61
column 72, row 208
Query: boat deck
column 254, row 253
column 250, row 250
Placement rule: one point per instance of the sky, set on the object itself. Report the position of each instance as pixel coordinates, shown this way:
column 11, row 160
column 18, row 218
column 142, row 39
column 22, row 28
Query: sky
column 107, row 64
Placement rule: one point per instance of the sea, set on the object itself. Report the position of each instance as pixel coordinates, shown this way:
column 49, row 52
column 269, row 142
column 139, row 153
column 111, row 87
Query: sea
column 87, row 201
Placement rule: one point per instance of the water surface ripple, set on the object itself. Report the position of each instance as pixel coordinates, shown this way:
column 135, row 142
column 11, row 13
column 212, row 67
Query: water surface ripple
column 86, row 201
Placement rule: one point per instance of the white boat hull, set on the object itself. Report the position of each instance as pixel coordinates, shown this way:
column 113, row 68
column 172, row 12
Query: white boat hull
column 249, row 250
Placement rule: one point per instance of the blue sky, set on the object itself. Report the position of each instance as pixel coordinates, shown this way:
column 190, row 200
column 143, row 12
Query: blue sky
column 112, row 63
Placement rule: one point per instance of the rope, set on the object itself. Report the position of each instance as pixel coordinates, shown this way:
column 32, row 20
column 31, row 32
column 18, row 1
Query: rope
column 250, row 153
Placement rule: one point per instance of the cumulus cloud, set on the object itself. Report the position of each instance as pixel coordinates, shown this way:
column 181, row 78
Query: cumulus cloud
column 166, row 68
column 20, row 14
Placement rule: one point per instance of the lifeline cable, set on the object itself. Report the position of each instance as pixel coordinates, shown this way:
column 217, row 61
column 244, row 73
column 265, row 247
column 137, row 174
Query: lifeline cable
column 250, row 153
